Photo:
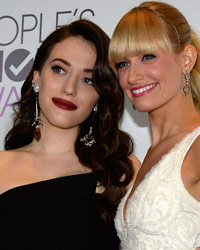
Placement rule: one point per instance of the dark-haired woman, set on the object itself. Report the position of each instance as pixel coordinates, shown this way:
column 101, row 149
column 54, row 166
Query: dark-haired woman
column 66, row 164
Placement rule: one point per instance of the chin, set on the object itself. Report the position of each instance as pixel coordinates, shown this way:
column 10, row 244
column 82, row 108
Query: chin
column 61, row 124
column 142, row 108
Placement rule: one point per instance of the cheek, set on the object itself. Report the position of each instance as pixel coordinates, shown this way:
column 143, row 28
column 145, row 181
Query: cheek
column 158, row 69
column 123, row 80
column 88, row 97
column 87, row 106
column 48, row 89
column 164, row 68
column 45, row 94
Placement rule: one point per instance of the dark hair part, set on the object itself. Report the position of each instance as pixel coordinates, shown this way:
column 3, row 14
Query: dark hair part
column 109, row 156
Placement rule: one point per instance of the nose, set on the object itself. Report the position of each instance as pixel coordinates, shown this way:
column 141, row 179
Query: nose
column 134, row 74
column 70, row 85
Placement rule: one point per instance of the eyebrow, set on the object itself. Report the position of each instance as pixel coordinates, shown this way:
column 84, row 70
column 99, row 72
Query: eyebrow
column 69, row 64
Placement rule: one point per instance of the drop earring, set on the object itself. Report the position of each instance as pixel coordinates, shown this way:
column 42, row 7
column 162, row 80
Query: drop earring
column 88, row 139
column 133, row 107
column 186, row 88
column 37, row 121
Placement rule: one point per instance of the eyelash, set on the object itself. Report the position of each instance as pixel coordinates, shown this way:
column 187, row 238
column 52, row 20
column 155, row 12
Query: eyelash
column 148, row 57
column 87, row 80
column 121, row 65
column 58, row 69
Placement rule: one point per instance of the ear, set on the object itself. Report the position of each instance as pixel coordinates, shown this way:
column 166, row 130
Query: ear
column 36, row 77
column 189, row 57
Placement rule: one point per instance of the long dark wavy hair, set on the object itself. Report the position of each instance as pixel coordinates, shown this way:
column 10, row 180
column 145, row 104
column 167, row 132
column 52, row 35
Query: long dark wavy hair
column 108, row 158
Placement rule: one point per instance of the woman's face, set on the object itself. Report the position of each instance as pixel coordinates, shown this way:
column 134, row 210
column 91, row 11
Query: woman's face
column 66, row 95
column 151, row 80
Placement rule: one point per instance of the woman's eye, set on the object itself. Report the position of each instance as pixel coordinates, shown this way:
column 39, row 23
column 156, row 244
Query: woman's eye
column 58, row 69
column 121, row 65
column 87, row 80
column 148, row 57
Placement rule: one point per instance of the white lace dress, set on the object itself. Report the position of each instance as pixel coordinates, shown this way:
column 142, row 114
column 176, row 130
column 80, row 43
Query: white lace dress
column 161, row 214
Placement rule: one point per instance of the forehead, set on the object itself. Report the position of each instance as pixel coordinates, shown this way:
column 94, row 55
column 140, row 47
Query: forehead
column 74, row 49
column 75, row 42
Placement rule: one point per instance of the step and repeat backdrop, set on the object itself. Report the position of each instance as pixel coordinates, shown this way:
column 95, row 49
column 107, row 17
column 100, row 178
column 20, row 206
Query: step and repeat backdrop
column 25, row 23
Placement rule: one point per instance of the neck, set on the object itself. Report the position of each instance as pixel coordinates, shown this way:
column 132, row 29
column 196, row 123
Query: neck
column 173, row 118
column 55, row 140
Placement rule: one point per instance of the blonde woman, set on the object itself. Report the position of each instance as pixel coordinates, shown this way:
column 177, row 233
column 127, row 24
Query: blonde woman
column 156, row 55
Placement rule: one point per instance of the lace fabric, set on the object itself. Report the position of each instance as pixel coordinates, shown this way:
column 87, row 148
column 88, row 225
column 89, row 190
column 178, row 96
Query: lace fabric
column 162, row 214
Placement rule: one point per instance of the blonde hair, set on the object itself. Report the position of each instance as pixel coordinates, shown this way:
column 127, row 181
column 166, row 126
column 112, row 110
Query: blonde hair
column 152, row 26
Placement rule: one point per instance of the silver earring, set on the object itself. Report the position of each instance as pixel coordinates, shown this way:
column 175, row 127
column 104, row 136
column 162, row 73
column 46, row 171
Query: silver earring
column 88, row 139
column 95, row 108
column 186, row 88
column 37, row 121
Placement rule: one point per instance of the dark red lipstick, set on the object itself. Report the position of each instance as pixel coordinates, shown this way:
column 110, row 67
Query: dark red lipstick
column 64, row 104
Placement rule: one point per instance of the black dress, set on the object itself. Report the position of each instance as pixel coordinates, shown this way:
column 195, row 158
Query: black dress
column 55, row 214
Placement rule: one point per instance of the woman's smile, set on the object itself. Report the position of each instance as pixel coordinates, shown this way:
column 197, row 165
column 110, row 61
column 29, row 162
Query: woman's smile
column 142, row 90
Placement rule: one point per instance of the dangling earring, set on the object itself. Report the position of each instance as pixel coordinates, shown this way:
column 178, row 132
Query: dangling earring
column 133, row 107
column 186, row 88
column 88, row 139
column 37, row 121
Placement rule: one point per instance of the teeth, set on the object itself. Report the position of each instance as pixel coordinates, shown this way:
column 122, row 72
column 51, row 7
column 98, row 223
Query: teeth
column 141, row 90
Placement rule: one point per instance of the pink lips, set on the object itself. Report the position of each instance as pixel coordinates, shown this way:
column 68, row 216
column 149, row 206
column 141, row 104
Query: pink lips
column 143, row 90
column 64, row 104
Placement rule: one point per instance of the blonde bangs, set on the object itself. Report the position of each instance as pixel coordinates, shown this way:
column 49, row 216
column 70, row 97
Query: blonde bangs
column 140, row 31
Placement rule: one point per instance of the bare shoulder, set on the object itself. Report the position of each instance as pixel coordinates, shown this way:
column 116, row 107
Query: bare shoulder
column 135, row 162
column 195, row 157
column 11, row 169
column 191, row 164
column 6, row 157
column 136, row 167
column 191, row 170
